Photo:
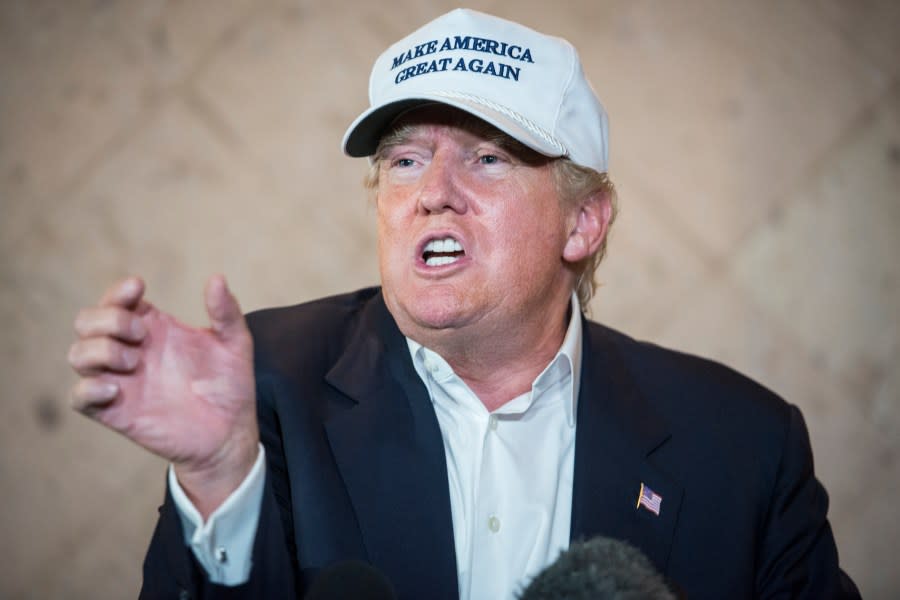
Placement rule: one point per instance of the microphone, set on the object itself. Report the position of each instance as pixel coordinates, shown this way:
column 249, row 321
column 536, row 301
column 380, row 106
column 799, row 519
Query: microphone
column 599, row 569
column 351, row 579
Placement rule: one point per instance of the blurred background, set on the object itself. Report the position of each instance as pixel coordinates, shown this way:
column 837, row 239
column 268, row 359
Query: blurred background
column 755, row 145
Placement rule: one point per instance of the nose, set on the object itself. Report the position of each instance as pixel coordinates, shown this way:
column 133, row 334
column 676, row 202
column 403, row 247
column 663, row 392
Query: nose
column 439, row 190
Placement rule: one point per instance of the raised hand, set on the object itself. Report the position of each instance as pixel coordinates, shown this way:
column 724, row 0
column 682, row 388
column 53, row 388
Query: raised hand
column 184, row 393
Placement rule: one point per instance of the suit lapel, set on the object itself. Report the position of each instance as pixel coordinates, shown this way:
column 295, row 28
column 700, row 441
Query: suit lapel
column 389, row 450
column 618, row 432
column 390, row 453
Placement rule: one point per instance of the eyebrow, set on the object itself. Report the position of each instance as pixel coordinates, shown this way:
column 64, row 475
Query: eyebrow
column 403, row 134
column 393, row 138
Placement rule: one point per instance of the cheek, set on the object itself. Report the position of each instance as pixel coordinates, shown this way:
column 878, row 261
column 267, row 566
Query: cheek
column 536, row 247
column 387, row 248
column 388, row 220
column 392, row 205
column 392, row 239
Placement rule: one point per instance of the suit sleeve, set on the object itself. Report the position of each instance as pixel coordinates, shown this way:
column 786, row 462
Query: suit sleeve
column 172, row 571
column 798, row 557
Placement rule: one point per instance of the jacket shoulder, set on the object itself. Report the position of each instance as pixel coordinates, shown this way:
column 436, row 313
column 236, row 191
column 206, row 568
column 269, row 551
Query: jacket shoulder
column 312, row 330
column 684, row 386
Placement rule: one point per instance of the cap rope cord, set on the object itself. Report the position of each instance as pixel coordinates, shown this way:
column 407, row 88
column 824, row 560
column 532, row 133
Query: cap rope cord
column 524, row 122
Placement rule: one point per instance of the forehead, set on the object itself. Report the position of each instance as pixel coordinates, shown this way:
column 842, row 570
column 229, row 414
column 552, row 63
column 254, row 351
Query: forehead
column 418, row 121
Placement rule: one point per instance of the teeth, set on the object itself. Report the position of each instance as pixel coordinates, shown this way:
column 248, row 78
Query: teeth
column 443, row 251
column 444, row 245
column 436, row 261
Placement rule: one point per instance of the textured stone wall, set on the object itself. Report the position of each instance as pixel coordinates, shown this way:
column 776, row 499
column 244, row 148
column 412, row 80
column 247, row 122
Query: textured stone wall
column 756, row 147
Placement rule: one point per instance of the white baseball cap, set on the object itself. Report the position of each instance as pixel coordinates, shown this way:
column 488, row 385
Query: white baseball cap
column 529, row 85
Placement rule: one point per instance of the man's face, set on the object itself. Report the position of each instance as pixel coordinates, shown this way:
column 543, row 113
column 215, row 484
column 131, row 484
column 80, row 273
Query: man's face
column 471, row 233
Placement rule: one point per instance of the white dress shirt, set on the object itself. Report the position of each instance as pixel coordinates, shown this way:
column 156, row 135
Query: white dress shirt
column 224, row 544
column 510, row 475
column 510, row 471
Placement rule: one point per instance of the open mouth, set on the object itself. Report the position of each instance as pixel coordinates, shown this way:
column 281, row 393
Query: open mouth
column 443, row 251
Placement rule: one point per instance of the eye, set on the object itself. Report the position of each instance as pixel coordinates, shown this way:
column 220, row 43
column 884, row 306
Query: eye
column 403, row 162
column 489, row 159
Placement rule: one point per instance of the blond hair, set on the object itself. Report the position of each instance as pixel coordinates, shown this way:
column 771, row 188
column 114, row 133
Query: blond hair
column 575, row 184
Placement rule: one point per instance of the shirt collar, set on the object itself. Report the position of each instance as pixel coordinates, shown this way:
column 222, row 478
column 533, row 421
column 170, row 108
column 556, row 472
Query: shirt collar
column 567, row 360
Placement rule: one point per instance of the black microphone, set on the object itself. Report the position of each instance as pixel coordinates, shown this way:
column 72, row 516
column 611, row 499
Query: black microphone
column 599, row 569
column 351, row 579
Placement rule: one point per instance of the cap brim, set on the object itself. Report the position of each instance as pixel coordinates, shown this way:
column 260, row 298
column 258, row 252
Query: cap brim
column 363, row 135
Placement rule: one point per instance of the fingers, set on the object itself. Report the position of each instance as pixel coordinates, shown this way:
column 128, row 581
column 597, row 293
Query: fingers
column 98, row 354
column 125, row 293
column 105, row 332
column 91, row 393
column 112, row 321
column 225, row 316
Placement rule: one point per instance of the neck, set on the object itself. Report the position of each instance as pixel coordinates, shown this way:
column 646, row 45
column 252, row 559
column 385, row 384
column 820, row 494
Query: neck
column 501, row 366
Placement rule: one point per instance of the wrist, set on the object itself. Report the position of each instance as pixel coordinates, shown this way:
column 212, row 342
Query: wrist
column 208, row 483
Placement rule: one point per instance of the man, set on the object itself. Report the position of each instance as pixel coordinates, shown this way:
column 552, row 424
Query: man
column 457, row 427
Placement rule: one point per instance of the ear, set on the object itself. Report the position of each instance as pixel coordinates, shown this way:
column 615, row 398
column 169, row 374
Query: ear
column 589, row 228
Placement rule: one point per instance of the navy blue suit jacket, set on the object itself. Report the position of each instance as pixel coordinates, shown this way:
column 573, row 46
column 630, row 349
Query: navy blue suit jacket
column 356, row 467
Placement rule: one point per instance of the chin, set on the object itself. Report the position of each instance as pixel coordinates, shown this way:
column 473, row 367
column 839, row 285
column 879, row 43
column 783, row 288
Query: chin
column 436, row 321
column 436, row 313
column 426, row 312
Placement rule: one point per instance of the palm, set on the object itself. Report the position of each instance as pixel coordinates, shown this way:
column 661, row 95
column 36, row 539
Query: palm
column 190, row 391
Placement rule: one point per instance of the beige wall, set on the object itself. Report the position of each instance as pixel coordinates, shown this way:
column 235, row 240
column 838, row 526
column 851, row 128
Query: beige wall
column 756, row 146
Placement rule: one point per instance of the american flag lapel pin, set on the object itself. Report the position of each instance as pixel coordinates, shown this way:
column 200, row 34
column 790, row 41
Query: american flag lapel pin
column 649, row 499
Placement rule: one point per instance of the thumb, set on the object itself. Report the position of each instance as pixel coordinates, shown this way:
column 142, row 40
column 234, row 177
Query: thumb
column 225, row 316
